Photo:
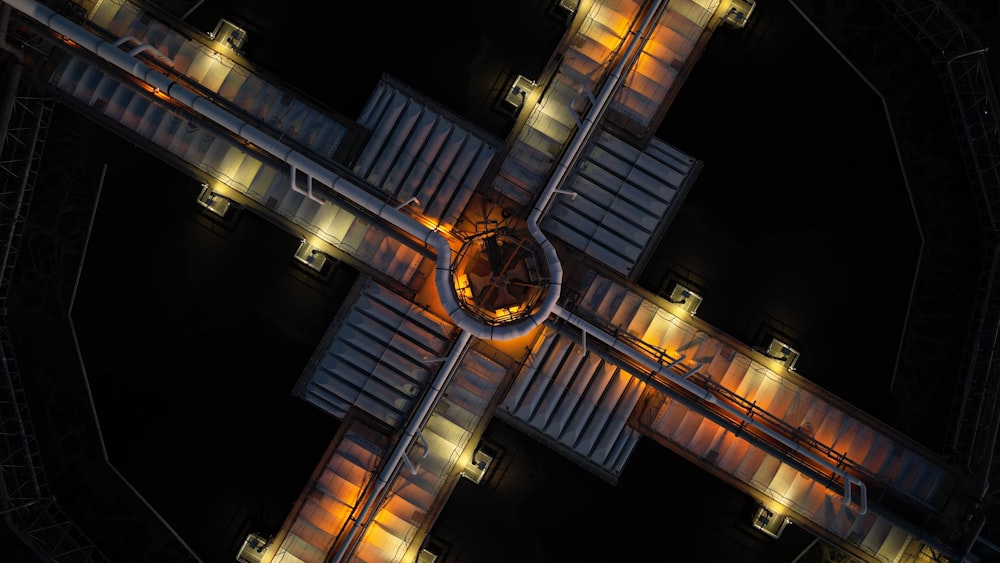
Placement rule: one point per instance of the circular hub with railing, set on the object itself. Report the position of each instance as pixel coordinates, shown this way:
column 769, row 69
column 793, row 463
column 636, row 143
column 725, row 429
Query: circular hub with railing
column 499, row 275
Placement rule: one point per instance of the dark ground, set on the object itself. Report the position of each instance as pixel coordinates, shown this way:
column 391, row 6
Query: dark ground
column 192, row 334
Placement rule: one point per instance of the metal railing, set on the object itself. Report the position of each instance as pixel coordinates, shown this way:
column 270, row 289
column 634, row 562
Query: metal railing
column 27, row 505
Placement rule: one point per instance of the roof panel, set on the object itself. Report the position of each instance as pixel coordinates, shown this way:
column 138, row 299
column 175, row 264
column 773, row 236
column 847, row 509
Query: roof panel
column 624, row 200
column 376, row 356
column 423, row 150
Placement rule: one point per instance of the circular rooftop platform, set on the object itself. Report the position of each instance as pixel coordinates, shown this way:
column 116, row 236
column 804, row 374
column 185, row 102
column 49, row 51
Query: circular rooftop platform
column 499, row 276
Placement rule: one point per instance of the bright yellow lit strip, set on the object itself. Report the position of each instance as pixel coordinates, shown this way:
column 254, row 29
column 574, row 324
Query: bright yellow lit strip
column 462, row 286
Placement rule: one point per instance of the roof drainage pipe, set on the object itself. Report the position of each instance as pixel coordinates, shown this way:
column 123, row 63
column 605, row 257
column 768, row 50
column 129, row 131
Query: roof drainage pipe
column 565, row 164
column 349, row 189
column 682, row 381
column 588, row 123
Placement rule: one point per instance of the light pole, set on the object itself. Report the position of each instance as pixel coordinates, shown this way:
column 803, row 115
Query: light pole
column 973, row 52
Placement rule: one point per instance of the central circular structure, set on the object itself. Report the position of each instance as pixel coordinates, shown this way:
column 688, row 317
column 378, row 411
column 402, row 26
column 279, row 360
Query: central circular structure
column 500, row 276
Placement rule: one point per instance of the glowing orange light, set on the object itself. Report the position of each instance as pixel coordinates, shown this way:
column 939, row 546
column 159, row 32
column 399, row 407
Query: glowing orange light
column 462, row 286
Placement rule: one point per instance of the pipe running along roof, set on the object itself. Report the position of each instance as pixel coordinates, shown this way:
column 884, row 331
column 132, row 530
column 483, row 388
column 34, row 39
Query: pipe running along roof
column 321, row 181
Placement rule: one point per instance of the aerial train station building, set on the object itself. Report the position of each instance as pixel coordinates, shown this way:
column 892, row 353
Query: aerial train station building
column 498, row 279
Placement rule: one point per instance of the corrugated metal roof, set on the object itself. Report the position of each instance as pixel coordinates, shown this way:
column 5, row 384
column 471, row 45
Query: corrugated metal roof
column 377, row 358
column 446, row 435
column 662, row 59
column 624, row 197
column 577, row 401
column 553, row 120
column 418, row 150
column 333, row 495
column 826, row 424
column 227, row 79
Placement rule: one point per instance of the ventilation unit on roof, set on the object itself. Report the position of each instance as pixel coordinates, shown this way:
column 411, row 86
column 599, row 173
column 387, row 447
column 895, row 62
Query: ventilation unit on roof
column 765, row 520
column 214, row 202
column 513, row 102
column 314, row 258
column 432, row 551
column 780, row 351
column 739, row 13
column 253, row 548
column 480, row 463
column 230, row 34
column 569, row 7
column 683, row 296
